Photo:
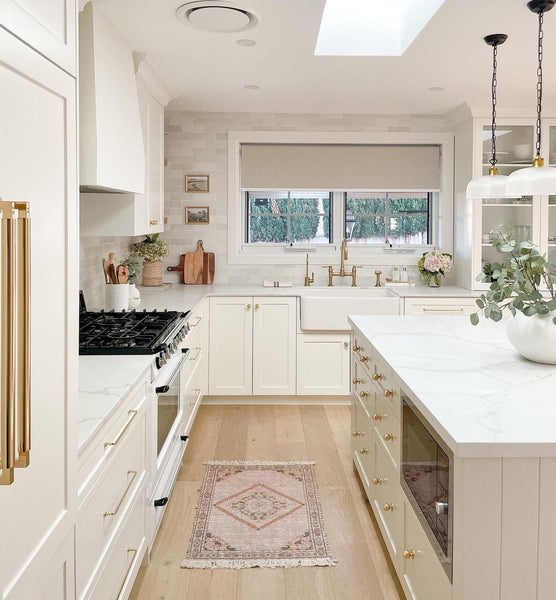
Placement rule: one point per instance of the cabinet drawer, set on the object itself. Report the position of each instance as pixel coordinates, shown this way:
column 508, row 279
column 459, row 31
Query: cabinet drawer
column 120, row 567
column 107, row 506
column 191, row 399
column 385, row 384
column 388, row 501
column 423, row 576
column 102, row 447
column 387, row 428
column 440, row 306
column 361, row 441
column 362, row 351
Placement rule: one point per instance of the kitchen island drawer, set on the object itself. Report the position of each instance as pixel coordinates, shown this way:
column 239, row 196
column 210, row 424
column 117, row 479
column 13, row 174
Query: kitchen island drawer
column 362, row 351
column 387, row 428
column 106, row 506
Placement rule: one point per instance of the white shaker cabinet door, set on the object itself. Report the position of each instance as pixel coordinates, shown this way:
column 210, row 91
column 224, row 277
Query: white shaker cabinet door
column 323, row 364
column 274, row 351
column 49, row 26
column 230, row 346
column 38, row 166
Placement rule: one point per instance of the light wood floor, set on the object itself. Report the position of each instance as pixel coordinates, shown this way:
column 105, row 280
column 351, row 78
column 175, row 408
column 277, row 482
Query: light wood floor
column 274, row 433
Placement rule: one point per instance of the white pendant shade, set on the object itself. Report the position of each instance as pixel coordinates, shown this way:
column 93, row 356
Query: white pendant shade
column 487, row 186
column 532, row 181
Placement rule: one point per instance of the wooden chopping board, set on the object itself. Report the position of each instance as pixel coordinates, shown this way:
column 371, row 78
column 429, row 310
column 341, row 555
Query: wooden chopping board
column 196, row 268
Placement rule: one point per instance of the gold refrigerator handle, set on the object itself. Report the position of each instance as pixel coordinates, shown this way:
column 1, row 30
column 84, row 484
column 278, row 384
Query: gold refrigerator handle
column 7, row 341
column 23, row 371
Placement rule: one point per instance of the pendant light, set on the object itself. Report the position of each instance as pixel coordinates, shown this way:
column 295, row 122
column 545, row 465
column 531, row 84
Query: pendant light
column 491, row 185
column 538, row 179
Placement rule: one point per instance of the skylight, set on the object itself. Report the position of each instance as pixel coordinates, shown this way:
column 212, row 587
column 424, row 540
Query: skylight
column 372, row 27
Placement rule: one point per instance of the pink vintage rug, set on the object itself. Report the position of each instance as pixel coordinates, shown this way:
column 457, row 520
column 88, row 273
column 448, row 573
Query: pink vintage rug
column 258, row 514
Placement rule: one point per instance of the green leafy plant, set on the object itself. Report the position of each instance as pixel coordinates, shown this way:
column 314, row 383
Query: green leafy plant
column 517, row 286
column 133, row 262
column 151, row 248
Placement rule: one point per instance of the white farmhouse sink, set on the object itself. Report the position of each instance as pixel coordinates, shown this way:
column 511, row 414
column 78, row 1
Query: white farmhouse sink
column 327, row 309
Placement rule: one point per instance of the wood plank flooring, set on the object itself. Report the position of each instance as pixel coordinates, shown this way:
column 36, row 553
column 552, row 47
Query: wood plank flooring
column 320, row 433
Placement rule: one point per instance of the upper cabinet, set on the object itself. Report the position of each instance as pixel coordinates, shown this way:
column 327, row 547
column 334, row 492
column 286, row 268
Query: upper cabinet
column 112, row 156
column 136, row 214
column 48, row 27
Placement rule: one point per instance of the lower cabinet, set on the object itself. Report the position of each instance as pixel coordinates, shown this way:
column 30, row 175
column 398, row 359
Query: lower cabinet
column 440, row 306
column 252, row 343
column 323, row 364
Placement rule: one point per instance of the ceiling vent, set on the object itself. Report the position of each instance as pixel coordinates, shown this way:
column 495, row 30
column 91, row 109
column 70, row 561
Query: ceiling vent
column 216, row 16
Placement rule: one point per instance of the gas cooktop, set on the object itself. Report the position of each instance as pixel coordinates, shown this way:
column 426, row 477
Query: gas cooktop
column 129, row 332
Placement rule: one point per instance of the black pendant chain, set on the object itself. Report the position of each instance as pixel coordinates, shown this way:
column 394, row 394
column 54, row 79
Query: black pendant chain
column 539, row 85
column 494, row 84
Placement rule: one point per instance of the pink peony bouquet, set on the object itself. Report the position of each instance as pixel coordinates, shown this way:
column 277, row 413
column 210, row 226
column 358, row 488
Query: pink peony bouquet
column 435, row 264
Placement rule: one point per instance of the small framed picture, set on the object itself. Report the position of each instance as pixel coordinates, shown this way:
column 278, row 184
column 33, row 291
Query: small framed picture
column 196, row 183
column 197, row 215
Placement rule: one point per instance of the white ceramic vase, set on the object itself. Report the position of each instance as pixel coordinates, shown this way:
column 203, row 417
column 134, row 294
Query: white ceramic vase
column 134, row 296
column 116, row 296
column 533, row 337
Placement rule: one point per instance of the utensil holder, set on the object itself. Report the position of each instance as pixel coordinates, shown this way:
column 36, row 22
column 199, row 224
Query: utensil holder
column 116, row 296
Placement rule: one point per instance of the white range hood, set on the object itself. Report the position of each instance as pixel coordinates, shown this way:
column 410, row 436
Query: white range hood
column 112, row 157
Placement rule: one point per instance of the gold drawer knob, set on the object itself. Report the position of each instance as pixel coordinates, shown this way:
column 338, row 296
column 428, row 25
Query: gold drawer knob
column 388, row 437
column 364, row 359
column 346, row 344
column 377, row 376
column 153, row 222
column 356, row 381
column 364, row 394
column 408, row 554
column 357, row 348
column 376, row 417
column 388, row 507
column 248, row 307
column 257, row 306
column 364, row 451
column 356, row 433
column 388, row 393
column 377, row 481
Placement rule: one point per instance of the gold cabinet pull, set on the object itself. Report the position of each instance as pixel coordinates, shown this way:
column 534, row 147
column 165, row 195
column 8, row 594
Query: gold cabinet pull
column 376, row 417
column 388, row 507
column 346, row 344
column 408, row 554
column 355, row 381
column 132, row 551
column 196, row 355
column 357, row 433
column 377, row 481
column 388, row 393
column 357, row 348
column 133, row 414
column 458, row 309
column 153, row 222
column 364, row 394
column 364, row 451
column 377, row 376
column 248, row 307
column 115, row 512
column 364, row 359
column 257, row 306
column 198, row 320
column 388, row 437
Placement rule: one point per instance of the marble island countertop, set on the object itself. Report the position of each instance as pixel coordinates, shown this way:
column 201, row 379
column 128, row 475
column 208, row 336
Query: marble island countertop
column 480, row 395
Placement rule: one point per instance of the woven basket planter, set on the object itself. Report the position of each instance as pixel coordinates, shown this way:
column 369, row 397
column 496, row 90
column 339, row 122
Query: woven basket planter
column 152, row 273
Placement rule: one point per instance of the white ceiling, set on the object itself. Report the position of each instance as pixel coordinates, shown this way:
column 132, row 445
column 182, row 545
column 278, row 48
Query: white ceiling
column 208, row 71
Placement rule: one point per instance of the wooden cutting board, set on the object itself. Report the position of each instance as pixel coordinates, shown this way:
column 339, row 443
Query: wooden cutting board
column 196, row 268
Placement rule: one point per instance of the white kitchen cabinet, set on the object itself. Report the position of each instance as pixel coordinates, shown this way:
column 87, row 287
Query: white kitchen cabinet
column 48, row 27
column 252, row 346
column 440, row 306
column 38, row 165
column 323, row 364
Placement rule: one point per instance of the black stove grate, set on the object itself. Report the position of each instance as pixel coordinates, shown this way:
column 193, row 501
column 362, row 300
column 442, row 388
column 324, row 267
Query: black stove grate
column 126, row 332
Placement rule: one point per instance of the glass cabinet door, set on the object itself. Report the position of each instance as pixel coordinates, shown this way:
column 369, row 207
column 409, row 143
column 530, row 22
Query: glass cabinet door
column 551, row 158
column 514, row 147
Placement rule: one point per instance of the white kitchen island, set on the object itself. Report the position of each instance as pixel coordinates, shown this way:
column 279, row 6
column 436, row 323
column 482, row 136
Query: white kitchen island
column 496, row 414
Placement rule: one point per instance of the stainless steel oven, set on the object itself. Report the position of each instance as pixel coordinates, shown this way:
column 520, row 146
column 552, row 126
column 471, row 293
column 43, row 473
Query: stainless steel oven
column 427, row 479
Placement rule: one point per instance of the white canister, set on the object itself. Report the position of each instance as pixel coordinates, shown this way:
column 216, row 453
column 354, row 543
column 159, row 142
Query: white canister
column 116, row 296
column 134, row 296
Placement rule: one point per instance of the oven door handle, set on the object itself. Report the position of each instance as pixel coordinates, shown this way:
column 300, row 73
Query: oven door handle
column 163, row 389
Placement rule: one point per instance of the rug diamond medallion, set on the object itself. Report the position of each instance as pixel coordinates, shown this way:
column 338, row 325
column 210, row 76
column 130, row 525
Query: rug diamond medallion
column 258, row 515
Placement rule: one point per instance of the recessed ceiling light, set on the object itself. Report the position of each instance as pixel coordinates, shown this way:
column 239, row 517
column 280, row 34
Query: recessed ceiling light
column 436, row 88
column 217, row 16
column 251, row 87
column 246, row 42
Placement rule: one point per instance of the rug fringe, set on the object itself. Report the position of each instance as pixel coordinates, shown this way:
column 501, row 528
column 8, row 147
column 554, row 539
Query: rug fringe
column 265, row 563
column 258, row 462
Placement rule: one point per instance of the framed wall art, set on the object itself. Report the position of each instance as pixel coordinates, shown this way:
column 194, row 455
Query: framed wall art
column 197, row 215
column 197, row 183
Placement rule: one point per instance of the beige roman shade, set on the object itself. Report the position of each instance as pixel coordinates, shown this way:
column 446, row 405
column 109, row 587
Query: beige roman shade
column 340, row 167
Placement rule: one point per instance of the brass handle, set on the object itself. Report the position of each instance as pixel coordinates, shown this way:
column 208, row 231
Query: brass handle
column 364, row 394
column 196, row 322
column 7, row 375
column 364, row 451
column 376, row 417
column 196, row 355
column 257, row 306
column 357, row 348
column 364, row 359
column 356, row 381
column 460, row 309
column 133, row 414
column 115, row 512
column 248, row 307
column 388, row 507
column 134, row 552
column 388, row 393
column 408, row 554
column 388, row 437
column 377, row 481
column 346, row 344
column 153, row 222
column 377, row 376
column 356, row 433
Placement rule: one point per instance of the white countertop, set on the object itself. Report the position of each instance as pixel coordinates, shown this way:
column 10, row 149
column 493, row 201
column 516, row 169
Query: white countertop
column 479, row 394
